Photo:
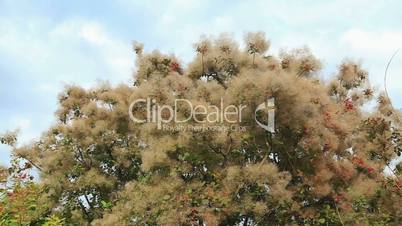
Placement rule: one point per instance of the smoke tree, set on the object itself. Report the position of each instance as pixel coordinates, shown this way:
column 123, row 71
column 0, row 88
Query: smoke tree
column 324, row 165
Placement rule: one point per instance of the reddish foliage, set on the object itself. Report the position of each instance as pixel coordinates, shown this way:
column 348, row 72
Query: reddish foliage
column 349, row 106
column 360, row 163
column 174, row 66
column 327, row 116
column 357, row 161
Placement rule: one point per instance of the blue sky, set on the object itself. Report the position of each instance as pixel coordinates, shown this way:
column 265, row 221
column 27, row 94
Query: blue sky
column 45, row 45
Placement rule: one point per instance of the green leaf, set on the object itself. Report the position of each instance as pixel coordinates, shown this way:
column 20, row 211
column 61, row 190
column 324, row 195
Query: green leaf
column 106, row 205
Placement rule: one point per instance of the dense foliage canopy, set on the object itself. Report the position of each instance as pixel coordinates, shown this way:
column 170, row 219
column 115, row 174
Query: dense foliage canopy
column 324, row 165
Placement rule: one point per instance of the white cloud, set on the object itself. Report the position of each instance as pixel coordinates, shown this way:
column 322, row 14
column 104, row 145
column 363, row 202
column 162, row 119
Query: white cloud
column 94, row 34
column 373, row 42
column 79, row 29
column 46, row 56
column 57, row 53
column 21, row 41
column 24, row 125
column 114, row 53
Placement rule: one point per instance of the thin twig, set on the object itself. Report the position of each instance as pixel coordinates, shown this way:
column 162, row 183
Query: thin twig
column 339, row 216
column 32, row 163
column 392, row 171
